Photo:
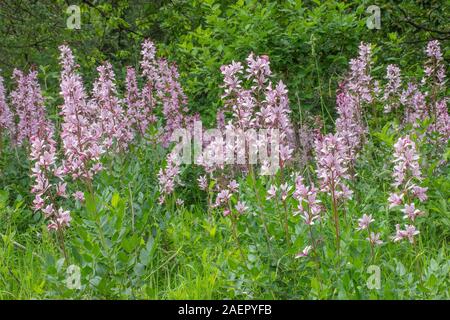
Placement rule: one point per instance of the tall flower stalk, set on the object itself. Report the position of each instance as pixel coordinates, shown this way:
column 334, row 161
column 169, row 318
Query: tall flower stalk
column 28, row 103
column 332, row 172
column 407, row 175
column 113, row 120
column 49, row 186
column 80, row 131
column 6, row 116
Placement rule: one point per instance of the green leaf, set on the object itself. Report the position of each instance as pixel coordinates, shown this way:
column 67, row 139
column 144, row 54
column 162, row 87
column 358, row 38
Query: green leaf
column 115, row 200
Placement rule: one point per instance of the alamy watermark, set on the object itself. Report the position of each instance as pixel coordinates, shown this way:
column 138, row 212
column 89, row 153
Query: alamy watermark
column 73, row 277
column 74, row 19
column 374, row 20
column 374, row 280
column 214, row 147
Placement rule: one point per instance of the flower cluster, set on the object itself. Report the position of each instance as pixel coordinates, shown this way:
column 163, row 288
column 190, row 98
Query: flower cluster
column 49, row 182
column 442, row 121
column 424, row 101
column 29, row 105
column 263, row 106
column 308, row 133
column 168, row 176
column 360, row 81
column 137, row 110
column 349, row 125
column 331, row 169
column 163, row 88
column 392, row 89
column 406, row 175
column 81, row 134
column 113, row 119
column 356, row 90
column 364, row 224
column 202, row 183
column 6, row 116
column 224, row 196
column 309, row 206
column 415, row 105
column 434, row 66
column 435, row 77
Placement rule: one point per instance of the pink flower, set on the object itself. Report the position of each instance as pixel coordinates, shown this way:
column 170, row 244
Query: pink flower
column 38, row 202
column 307, row 196
column 400, row 234
column 407, row 161
column 442, row 121
column 364, row 222
column 263, row 105
column 81, row 132
column 285, row 188
column 231, row 81
column 179, row 202
column 162, row 87
column 168, row 176
column 138, row 111
column 409, row 233
column 332, row 166
column 395, row 200
column 349, row 125
column 301, row 191
column 223, row 197
column 241, row 208
column 78, row 195
column 307, row 216
column 202, row 183
column 28, row 102
column 271, row 193
column 411, row 212
column 233, row 186
column 360, row 80
column 43, row 153
column 258, row 69
column 374, row 239
column 63, row 218
column 113, row 120
column 419, row 192
column 435, row 66
column 61, row 190
column 6, row 116
column 304, row 252
column 391, row 91
column 48, row 210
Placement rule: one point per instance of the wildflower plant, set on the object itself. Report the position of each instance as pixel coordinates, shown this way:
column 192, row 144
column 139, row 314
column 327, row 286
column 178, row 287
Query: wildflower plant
column 80, row 130
column 6, row 116
column 408, row 192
